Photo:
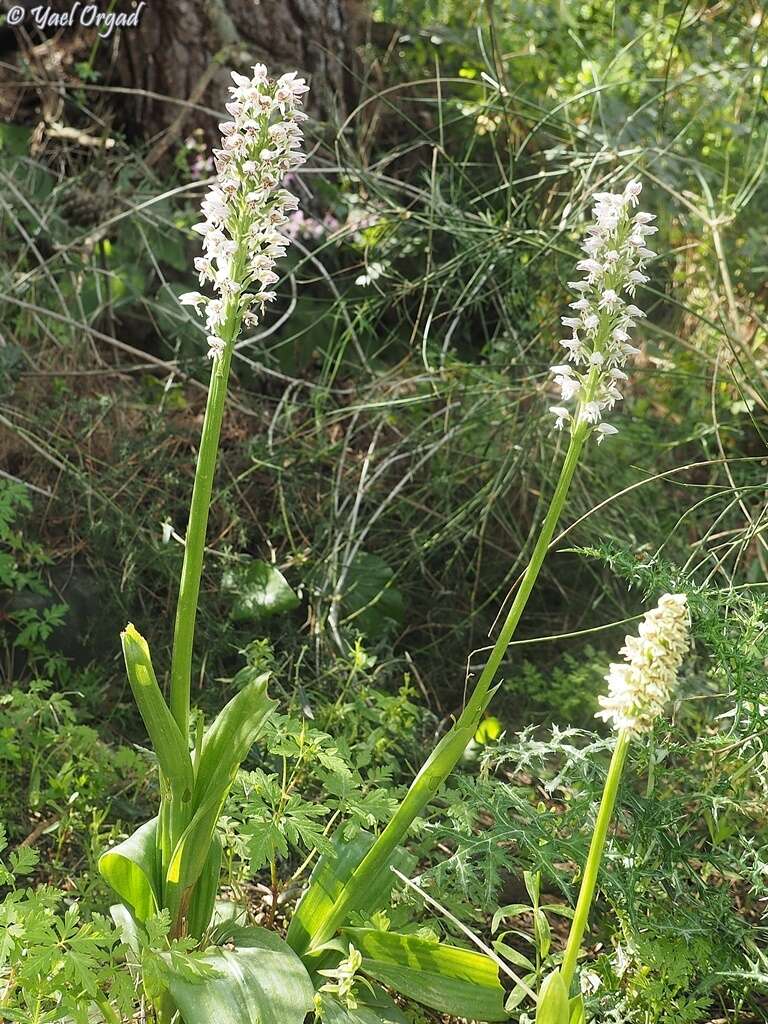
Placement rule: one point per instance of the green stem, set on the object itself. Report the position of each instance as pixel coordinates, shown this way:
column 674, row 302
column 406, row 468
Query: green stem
column 110, row 1014
column 589, row 880
column 444, row 758
column 533, row 568
column 194, row 546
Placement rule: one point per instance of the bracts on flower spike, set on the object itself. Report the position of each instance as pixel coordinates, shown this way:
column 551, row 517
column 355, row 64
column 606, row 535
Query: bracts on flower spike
column 245, row 207
column 640, row 686
column 600, row 343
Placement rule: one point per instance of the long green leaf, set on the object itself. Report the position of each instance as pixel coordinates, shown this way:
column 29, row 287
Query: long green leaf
column 131, row 869
column 384, row 1006
column 449, row 979
column 376, row 863
column 169, row 745
column 192, row 853
column 380, row 1013
column 552, row 1006
column 262, row 981
column 231, row 736
column 225, row 746
column 203, row 898
column 327, row 882
column 577, row 1010
column 177, row 776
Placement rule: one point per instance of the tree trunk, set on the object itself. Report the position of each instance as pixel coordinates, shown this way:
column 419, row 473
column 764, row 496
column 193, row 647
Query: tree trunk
column 185, row 49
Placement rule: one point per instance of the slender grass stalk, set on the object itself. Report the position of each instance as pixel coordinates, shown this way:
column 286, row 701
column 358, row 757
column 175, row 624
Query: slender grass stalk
column 594, row 858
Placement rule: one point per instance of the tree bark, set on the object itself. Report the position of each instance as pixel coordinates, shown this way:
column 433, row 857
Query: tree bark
column 186, row 48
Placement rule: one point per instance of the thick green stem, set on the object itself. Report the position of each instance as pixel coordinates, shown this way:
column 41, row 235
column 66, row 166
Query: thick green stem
column 194, row 546
column 589, row 880
column 444, row 758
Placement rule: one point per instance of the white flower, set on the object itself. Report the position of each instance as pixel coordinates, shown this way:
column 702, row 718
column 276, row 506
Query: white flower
column 568, row 383
column 640, row 687
column 609, row 300
column 216, row 346
column 574, row 348
column 245, row 207
column 373, row 273
column 631, row 195
column 589, row 982
column 616, row 256
column 591, row 323
column 561, row 414
column 590, row 412
column 603, row 430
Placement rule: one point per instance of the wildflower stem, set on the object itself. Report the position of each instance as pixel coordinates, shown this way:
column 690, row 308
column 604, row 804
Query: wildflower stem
column 194, row 546
column 243, row 212
column 578, row 437
column 445, row 756
column 589, row 879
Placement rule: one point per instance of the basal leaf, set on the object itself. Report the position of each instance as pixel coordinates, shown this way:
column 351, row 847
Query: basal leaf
column 261, row 981
column 446, row 978
column 170, row 746
column 379, row 1012
column 203, row 899
column 577, row 1010
column 552, row 1006
column 131, row 869
column 231, row 736
column 327, row 882
column 225, row 746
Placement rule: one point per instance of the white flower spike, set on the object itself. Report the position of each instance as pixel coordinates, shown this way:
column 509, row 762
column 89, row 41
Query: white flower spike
column 245, row 208
column 599, row 346
column 639, row 687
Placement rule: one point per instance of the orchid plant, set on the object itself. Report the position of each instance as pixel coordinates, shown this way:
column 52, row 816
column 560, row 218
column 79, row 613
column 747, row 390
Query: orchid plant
column 204, row 963
column 638, row 691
